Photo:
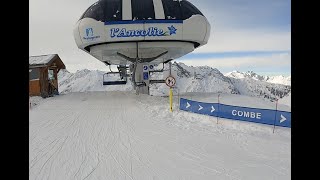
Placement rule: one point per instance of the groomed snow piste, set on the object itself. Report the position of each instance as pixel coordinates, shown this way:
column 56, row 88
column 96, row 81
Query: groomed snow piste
column 120, row 135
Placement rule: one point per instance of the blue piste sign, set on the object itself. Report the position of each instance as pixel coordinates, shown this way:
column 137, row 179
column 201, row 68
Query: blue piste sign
column 199, row 107
column 283, row 119
column 145, row 75
column 263, row 116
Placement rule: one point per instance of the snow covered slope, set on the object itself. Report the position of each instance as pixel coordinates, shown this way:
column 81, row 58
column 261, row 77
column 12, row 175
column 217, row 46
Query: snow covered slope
column 286, row 100
column 119, row 135
column 189, row 79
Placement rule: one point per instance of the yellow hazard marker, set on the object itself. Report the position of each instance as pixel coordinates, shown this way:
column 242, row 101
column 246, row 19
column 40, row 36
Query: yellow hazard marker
column 170, row 82
column 170, row 98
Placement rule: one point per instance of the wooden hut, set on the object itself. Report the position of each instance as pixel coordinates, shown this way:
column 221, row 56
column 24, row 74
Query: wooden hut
column 43, row 74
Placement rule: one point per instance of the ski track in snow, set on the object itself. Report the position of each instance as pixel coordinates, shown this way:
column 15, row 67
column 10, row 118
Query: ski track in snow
column 118, row 135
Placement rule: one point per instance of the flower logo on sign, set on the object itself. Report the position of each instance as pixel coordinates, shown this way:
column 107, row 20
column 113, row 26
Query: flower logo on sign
column 172, row 29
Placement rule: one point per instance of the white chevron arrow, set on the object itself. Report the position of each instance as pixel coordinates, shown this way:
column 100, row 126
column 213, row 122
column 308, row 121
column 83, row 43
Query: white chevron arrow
column 188, row 105
column 212, row 109
column 200, row 107
column 282, row 118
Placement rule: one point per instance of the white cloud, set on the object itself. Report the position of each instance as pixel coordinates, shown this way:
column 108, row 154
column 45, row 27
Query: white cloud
column 247, row 40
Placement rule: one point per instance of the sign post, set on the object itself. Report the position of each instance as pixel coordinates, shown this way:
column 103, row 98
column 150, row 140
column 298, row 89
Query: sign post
column 218, row 107
column 275, row 116
column 170, row 97
column 170, row 81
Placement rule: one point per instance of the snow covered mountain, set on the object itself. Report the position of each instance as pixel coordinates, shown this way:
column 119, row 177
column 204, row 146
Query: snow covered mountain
column 252, row 75
column 195, row 79
column 189, row 79
column 280, row 80
column 86, row 80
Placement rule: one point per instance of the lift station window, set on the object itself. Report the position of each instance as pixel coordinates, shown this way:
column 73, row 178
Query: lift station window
column 188, row 9
column 142, row 10
column 95, row 12
column 107, row 10
column 171, row 9
column 112, row 10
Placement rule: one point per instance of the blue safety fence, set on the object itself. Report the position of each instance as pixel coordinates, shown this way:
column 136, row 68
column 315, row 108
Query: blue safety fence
column 263, row 116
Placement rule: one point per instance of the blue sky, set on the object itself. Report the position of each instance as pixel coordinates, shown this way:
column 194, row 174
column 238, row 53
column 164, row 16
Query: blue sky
column 245, row 35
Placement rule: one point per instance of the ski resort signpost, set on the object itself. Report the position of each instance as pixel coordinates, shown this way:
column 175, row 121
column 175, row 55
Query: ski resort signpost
column 170, row 82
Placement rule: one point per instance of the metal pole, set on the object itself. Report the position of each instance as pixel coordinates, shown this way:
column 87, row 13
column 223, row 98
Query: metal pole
column 218, row 107
column 178, row 97
column 275, row 116
column 170, row 99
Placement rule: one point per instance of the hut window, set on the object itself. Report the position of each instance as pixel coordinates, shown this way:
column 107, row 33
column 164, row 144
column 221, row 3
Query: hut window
column 51, row 74
column 34, row 74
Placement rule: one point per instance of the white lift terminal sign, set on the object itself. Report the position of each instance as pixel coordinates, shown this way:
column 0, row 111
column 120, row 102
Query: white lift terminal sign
column 170, row 81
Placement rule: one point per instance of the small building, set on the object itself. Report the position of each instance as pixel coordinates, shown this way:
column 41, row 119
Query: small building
column 43, row 74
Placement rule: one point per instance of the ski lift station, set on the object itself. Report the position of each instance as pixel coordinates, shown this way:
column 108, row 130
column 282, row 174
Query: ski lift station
column 133, row 34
